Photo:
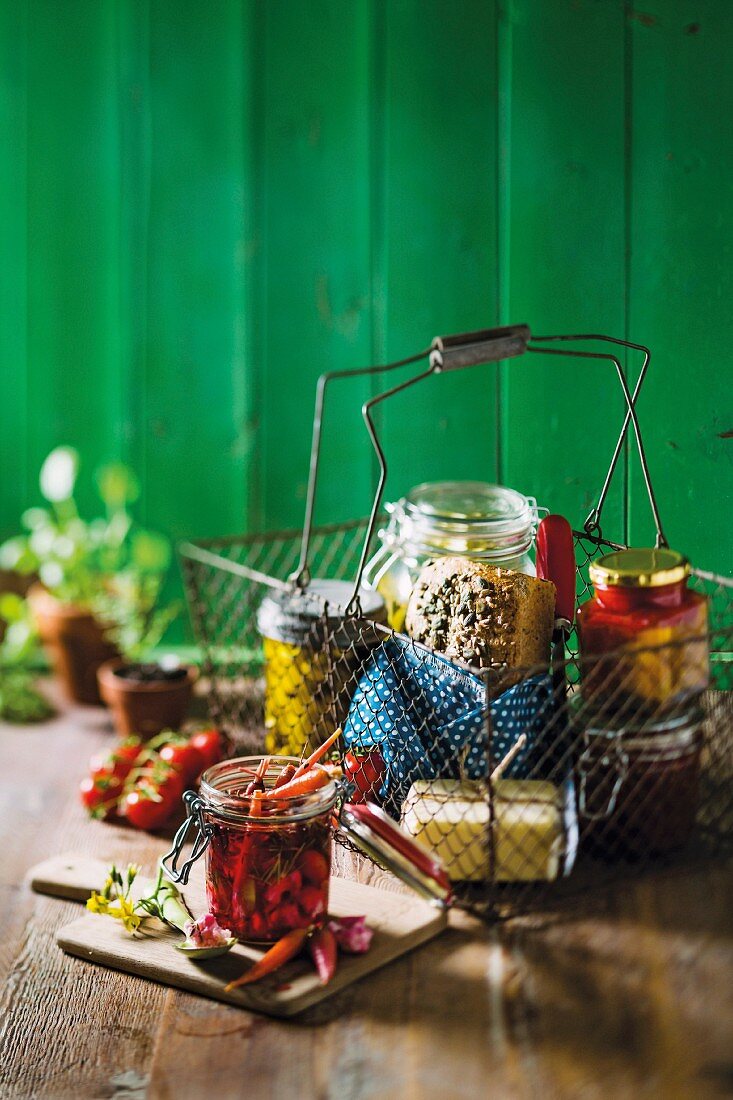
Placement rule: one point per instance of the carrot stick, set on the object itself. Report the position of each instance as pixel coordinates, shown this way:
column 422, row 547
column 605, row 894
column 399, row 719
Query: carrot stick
column 283, row 951
column 300, row 785
column 320, row 751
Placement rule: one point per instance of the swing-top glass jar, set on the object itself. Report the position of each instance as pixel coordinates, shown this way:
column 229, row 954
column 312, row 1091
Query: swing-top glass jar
column 268, row 864
column 471, row 519
column 268, row 854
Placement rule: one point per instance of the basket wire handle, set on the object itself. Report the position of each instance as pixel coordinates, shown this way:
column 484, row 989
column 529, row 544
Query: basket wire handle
column 449, row 353
column 592, row 525
column 454, row 353
column 301, row 575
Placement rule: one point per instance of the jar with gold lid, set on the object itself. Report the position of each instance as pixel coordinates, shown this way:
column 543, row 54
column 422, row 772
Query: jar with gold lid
column 643, row 644
column 471, row 519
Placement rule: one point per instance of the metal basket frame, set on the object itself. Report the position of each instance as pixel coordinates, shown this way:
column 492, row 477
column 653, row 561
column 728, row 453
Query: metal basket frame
column 226, row 579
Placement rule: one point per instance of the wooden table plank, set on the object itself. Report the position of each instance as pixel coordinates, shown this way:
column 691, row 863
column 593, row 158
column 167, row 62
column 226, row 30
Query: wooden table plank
column 634, row 1000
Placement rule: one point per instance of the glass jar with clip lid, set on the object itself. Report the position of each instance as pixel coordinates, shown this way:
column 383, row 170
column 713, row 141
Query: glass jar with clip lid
column 268, row 852
column 471, row 519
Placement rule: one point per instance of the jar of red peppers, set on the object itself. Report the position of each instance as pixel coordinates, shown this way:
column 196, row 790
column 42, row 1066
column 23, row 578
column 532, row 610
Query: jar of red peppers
column 268, row 860
column 643, row 645
column 268, row 856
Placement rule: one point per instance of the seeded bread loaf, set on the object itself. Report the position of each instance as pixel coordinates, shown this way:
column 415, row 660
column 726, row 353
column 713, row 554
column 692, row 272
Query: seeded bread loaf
column 481, row 614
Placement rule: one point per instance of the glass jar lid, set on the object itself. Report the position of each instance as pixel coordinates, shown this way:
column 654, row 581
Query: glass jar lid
column 454, row 517
column 653, row 742
column 376, row 835
column 303, row 616
column 642, row 567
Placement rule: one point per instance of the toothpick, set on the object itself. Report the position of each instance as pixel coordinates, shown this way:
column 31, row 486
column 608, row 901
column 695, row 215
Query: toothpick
column 504, row 764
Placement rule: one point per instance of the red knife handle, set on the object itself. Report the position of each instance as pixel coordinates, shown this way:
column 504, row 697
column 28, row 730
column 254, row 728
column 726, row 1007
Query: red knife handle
column 556, row 562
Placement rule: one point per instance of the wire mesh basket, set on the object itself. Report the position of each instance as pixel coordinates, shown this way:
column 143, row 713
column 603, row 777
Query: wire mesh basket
column 515, row 778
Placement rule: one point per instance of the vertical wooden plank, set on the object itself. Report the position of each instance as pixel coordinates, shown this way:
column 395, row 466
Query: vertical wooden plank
column 133, row 65
column 195, row 430
column 565, row 248
column 681, row 271
column 14, row 406
column 73, row 232
column 313, row 246
column 439, row 226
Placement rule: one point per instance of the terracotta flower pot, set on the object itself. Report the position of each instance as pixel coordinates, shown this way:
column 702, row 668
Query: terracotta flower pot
column 145, row 708
column 76, row 644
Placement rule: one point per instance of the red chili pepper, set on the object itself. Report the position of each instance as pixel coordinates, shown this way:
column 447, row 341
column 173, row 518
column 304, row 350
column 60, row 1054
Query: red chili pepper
column 283, row 951
column 258, row 783
column 324, row 952
column 285, row 776
column 366, row 770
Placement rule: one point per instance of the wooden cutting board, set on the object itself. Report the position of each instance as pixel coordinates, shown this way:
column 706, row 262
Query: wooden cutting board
column 401, row 923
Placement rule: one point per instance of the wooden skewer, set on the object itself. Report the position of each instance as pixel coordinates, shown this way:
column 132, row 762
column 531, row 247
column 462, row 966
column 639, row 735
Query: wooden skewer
column 504, row 764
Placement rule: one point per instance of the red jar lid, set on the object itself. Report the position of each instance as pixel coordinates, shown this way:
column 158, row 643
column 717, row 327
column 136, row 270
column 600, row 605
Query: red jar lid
column 370, row 829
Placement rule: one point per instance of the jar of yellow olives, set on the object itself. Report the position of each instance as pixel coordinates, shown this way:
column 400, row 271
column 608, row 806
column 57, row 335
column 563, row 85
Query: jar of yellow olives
column 313, row 652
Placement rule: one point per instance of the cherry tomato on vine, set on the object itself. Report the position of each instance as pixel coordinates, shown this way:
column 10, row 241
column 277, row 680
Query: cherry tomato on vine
column 186, row 758
column 119, row 761
column 99, row 793
column 154, row 798
column 210, row 744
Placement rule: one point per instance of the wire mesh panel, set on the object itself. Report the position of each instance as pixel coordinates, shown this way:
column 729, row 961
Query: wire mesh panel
column 557, row 777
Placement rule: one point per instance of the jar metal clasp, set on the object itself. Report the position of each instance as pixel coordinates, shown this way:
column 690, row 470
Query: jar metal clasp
column 613, row 759
column 194, row 816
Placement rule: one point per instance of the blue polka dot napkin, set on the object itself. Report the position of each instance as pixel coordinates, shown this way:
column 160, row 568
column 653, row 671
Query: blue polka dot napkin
column 426, row 717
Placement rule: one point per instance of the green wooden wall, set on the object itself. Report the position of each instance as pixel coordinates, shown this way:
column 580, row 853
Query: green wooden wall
column 204, row 205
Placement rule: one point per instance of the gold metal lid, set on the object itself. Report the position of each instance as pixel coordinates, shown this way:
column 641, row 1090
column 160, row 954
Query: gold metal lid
column 639, row 567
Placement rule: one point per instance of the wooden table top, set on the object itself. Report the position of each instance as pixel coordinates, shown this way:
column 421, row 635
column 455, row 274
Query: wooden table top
column 635, row 1003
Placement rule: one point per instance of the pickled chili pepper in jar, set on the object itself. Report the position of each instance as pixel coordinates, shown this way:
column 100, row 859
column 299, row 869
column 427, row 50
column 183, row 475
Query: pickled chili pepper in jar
column 268, row 861
column 313, row 653
column 643, row 644
column 268, row 853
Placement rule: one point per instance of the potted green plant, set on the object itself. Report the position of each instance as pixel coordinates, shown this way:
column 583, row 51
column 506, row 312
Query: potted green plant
column 145, row 697
column 20, row 700
column 99, row 580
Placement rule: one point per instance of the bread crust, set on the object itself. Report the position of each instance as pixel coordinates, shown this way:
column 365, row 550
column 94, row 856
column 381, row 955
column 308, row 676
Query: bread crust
column 482, row 614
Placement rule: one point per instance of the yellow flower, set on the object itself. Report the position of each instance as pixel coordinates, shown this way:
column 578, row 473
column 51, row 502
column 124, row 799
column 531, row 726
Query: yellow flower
column 123, row 909
column 97, row 903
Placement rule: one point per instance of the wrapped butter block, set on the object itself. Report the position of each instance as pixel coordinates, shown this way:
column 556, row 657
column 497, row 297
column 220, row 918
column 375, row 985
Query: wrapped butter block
column 451, row 818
